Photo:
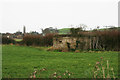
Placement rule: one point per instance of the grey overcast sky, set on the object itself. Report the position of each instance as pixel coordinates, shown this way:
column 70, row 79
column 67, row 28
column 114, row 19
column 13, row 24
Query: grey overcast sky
column 37, row 14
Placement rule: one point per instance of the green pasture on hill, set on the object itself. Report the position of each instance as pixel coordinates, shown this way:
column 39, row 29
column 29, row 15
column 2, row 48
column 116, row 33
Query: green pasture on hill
column 18, row 40
column 21, row 61
column 64, row 31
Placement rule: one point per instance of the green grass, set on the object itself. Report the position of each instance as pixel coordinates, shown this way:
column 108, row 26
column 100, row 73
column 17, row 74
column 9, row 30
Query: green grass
column 20, row 62
column 64, row 31
column 18, row 40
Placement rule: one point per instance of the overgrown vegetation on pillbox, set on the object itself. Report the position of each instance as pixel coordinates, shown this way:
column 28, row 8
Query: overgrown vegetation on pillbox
column 104, row 40
column 109, row 39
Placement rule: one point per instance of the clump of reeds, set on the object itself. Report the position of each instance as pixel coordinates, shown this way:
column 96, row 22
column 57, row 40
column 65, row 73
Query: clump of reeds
column 100, row 71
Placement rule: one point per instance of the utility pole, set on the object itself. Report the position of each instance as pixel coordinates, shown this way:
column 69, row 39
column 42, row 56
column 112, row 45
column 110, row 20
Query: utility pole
column 24, row 31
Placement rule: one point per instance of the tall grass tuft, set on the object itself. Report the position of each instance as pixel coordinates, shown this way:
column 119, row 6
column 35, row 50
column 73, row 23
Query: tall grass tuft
column 103, row 71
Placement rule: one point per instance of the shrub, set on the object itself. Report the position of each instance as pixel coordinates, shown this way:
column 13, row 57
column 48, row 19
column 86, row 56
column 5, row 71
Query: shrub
column 108, row 39
column 31, row 40
column 6, row 40
column 48, row 40
column 38, row 40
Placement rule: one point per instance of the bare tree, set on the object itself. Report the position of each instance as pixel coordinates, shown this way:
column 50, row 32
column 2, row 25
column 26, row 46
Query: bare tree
column 83, row 26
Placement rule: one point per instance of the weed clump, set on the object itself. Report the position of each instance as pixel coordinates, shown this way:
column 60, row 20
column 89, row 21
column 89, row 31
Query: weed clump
column 103, row 71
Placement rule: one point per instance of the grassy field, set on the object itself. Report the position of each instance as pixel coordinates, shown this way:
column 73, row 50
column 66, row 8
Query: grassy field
column 64, row 31
column 18, row 40
column 21, row 61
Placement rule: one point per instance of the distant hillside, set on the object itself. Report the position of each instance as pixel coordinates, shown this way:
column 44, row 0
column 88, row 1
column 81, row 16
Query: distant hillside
column 113, row 28
column 67, row 30
column 64, row 30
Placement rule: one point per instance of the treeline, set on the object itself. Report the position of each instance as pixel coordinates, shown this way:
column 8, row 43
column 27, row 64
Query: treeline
column 6, row 40
column 108, row 39
column 31, row 40
column 100, row 40
column 38, row 40
column 104, row 40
